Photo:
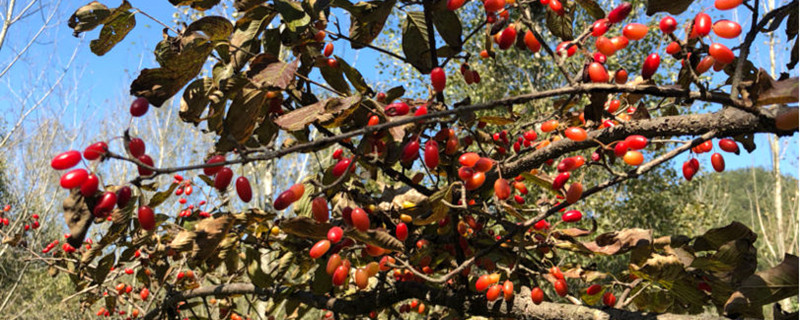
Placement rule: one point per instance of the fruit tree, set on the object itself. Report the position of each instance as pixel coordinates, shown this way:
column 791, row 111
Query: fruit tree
column 428, row 204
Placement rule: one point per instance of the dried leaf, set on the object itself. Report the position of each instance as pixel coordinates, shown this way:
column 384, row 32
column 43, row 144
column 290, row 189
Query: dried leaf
column 713, row 239
column 292, row 14
column 498, row 121
column 244, row 40
column 763, row 287
column 88, row 17
column 367, row 19
column 244, row 5
column 199, row 5
column 592, row 8
column 448, row 25
column 671, row 6
column 115, row 27
column 784, row 91
column 103, row 267
column 78, row 217
column 561, row 25
column 305, row 227
column 378, row 238
column 355, row 77
column 161, row 196
column 438, row 209
column 619, row 242
column 275, row 75
column 415, row 42
column 195, row 99
column 246, row 111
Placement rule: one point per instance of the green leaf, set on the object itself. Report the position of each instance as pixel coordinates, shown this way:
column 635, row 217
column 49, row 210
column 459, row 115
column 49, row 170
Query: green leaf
column 415, row 42
column 199, row 5
column 592, row 8
column 768, row 286
column 195, row 99
column 671, row 6
column 561, row 25
column 449, row 27
column 355, row 77
column 322, row 282
column 115, row 28
column 367, row 19
column 292, row 13
column 271, row 41
column 88, row 17
column 255, row 267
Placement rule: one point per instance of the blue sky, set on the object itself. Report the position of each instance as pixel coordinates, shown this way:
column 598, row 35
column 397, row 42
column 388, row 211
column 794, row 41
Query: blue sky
column 97, row 84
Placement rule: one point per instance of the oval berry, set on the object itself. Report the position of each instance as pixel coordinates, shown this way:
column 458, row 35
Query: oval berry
column 605, row 46
column 702, row 24
column 340, row 167
column 124, row 195
column 571, row 216
column 502, row 189
column 537, row 295
column 340, row 275
column 89, row 187
column 726, row 4
column 335, row 234
column 727, row 29
column 475, row 181
column 95, row 150
column 319, row 249
column 673, row 48
column 620, row 12
column 531, row 42
column 668, row 24
column 396, row 109
column 438, row 79
column 634, row 31
column 574, row 192
column 718, row 162
column 431, row 154
column 139, row 107
column 328, row 49
column 210, row 171
column 650, row 65
column 609, row 299
column 561, row 287
column 594, row 289
column 319, row 209
column 136, row 147
column 575, row 133
column 243, row 189
column 494, row 292
column 360, row 219
column 507, row 37
column 549, row 125
column 600, row 27
column 66, row 160
column 729, row 145
column 147, row 219
column 721, row 53
column 74, row 178
column 334, row 261
column 223, row 178
column 597, row 73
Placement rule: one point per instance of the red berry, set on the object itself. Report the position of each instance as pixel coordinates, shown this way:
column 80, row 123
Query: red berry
column 507, row 37
column 561, row 287
column 597, row 73
column 621, row 76
column 360, row 219
column 431, row 154
column 95, row 151
column 74, row 178
column 396, row 109
column 609, row 299
column 493, row 5
column 89, row 187
column 410, row 151
column 210, row 171
column 727, row 29
column 634, row 31
column 319, row 209
column 319, row 249
column 718, row 162
column 328, row 49
column 650, row 65
column 531, row 42
column 124, row 195
column 726, row 4
column 620, row 12
column 438, row 79
column 494, row 291
column 103, row 207
column 668, row 24
column 136, row 147
column 572, row 216
column 243, row 189
column 560, row 180
column 335, row 234
column 146, row 218
column 575, row 133
column 537, row 295
column 702, row 24
column 148, row 161
column 729, row 145
column 600, row 27
column 594, row 289
column 223, row 178
column 401, row 231
column 721, row 53
column 66, row 160
column 453, row 5
column 139, row 107
column 673, row 47
column 340, row 167
column 636, row 142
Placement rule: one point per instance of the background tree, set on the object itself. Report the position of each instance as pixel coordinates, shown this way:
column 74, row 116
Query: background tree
column 418, row 229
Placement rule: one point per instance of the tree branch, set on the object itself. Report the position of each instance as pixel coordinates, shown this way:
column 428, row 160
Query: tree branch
column 521, row 307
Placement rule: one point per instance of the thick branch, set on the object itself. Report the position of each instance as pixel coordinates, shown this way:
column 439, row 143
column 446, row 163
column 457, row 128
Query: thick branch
column 521, row 307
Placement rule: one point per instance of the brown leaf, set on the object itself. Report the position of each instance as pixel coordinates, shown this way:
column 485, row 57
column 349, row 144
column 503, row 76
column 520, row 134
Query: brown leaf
column 245, row 112
column 378, row 238
column 195, row 99
column 88, row 17
column 592, row 8
column 245, row 38
column 767, row 91
column 561, row 25
column 576, row 232
column 774, row 284
column 244, row 5
column 415, row 41
column 199, row 5
column 181, row 59
column 305, row 227
column 275, row 75
column 671, row 6
column 299, row 118
column 714, row 239
column 619, row 242
column 116, row 27
column 438, row 209
column 499, row 121
column 183, row 241
column 209, row 234
column 641, row 113
column 366, row 19
column 78, row 217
